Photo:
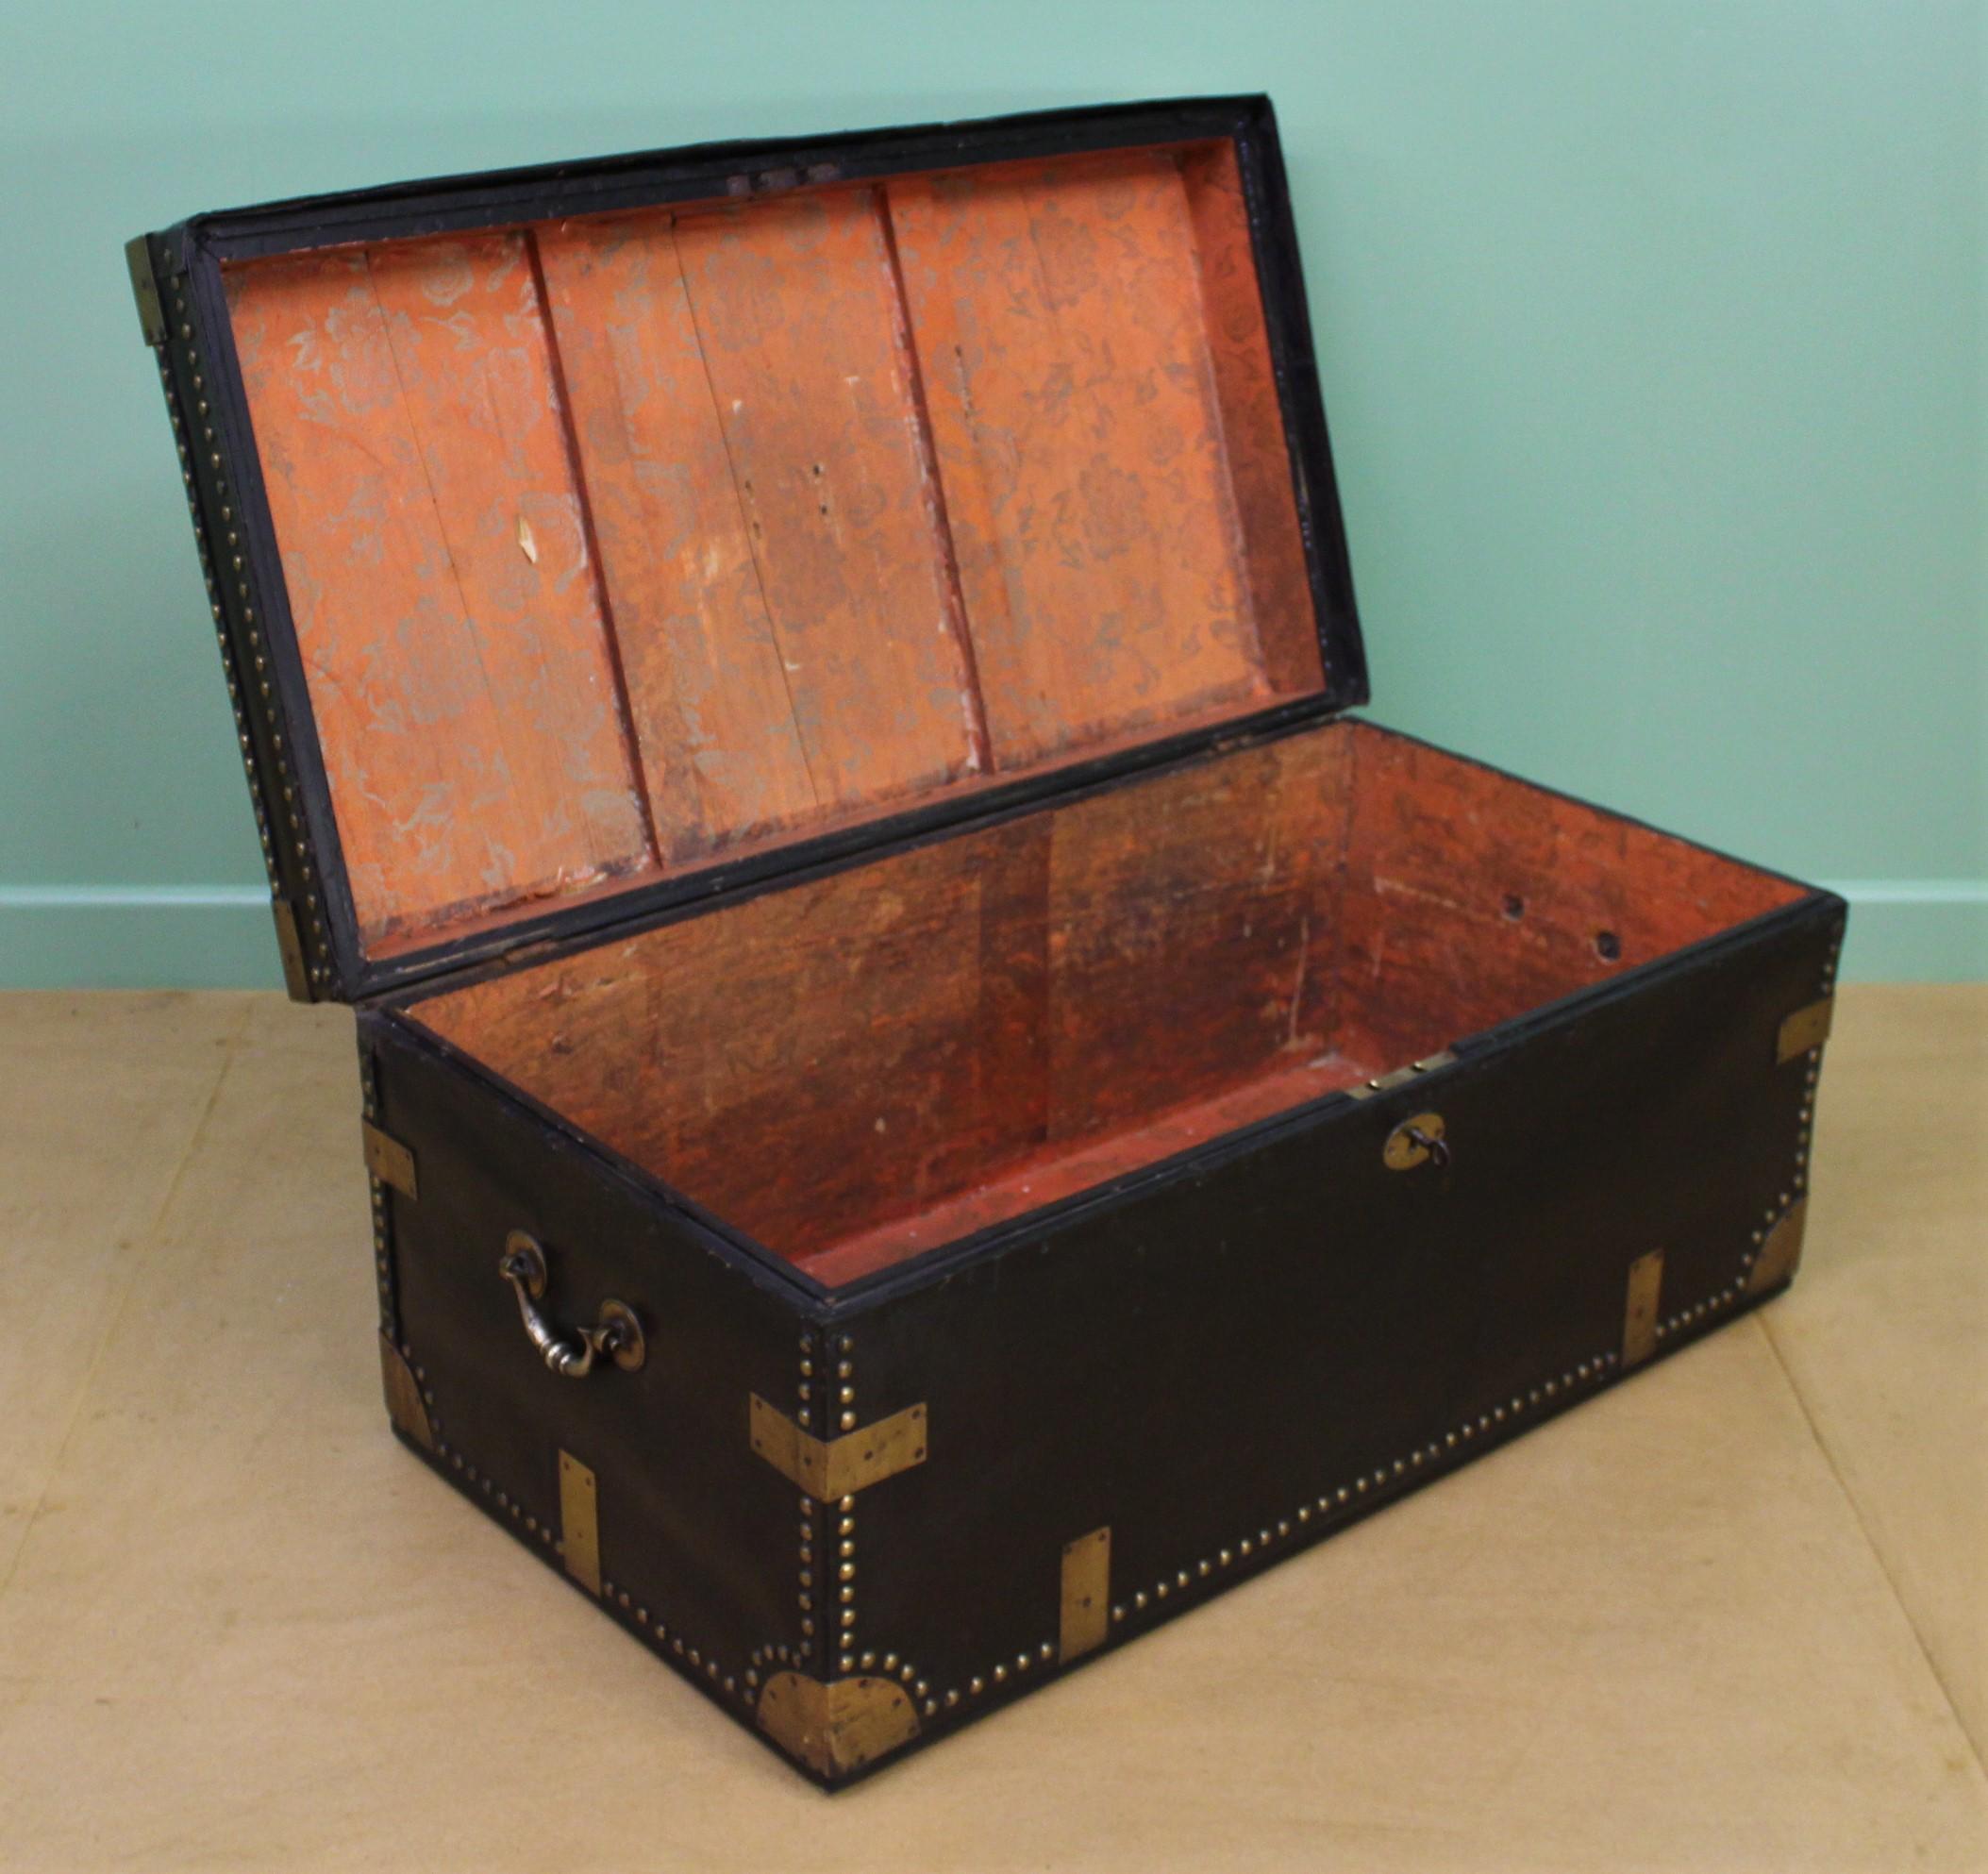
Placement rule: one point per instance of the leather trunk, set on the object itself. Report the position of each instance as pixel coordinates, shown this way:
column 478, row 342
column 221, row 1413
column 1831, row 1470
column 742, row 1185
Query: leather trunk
column 932, row 1099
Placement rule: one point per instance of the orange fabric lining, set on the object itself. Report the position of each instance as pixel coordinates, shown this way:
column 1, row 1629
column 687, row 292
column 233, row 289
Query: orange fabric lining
column 613, row 546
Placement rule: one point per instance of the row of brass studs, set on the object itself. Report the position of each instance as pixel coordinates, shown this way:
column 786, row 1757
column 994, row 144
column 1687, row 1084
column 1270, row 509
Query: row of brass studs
column 319, row 970
column 1347, row 1496
column 658, row 1633
column 812, row 1514
column 1585, row 1373
column 838, row 1401
column 664, row 1640
column 383, row 1229
column 827, row 1585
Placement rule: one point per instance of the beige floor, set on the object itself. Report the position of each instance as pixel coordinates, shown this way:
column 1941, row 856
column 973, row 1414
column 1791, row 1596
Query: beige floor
column 1727, row 1617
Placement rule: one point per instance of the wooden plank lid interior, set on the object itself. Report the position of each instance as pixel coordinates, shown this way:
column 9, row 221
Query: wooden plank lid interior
column 617, row 546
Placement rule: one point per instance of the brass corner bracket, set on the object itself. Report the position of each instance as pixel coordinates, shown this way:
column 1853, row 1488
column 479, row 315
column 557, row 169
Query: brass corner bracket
column 1639, row 1308
column 829, row 1469
column 1807, row 1028
column 404, row 1401
column 838, row 1727
column 1084, row 1604
column 1781, row 1254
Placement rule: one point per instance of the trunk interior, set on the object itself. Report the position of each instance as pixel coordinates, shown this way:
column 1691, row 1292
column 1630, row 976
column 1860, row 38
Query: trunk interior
column 863, row 1067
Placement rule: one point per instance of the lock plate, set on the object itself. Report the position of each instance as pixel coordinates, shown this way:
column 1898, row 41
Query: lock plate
column 1414, row 1141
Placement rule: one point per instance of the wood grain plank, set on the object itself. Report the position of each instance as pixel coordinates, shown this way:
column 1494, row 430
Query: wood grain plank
column 795, row 311
column 411, row 445
column 1058, row 316
column 708, row 694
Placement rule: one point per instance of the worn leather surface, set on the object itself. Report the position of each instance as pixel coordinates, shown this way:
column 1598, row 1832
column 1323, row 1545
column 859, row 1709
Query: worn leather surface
column 1206, row 1356
column 698, row 1532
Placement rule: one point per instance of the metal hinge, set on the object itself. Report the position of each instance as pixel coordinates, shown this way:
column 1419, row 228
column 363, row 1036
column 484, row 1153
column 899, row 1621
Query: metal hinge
column 1401, row 1076
column 144, row 289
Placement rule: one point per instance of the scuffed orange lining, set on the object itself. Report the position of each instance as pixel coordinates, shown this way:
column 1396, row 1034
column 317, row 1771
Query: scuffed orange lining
column 870, row 1064
column 614, row 545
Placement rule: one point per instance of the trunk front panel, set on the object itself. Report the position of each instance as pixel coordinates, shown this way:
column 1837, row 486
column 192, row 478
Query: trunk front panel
column 1217, row 1366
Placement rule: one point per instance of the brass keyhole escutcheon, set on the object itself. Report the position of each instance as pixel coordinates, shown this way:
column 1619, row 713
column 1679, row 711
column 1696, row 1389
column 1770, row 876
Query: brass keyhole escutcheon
column 1416, row 1141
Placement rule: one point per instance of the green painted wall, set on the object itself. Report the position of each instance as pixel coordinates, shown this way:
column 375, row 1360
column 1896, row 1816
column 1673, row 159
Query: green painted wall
column 1652, row 338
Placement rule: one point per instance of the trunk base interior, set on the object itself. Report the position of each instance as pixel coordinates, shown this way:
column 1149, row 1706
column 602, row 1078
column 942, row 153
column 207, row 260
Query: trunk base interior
column 870, row 1064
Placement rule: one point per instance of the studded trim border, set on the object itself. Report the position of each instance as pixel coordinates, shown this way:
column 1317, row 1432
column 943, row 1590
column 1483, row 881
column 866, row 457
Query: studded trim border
column 826, row 1387
column 212, row 506
column 381, row 1201
column 700, row 1664
column 1346, row 1501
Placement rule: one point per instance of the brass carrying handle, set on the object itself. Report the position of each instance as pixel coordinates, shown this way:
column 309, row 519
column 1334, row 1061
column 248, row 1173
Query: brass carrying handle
column 617, row 1333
